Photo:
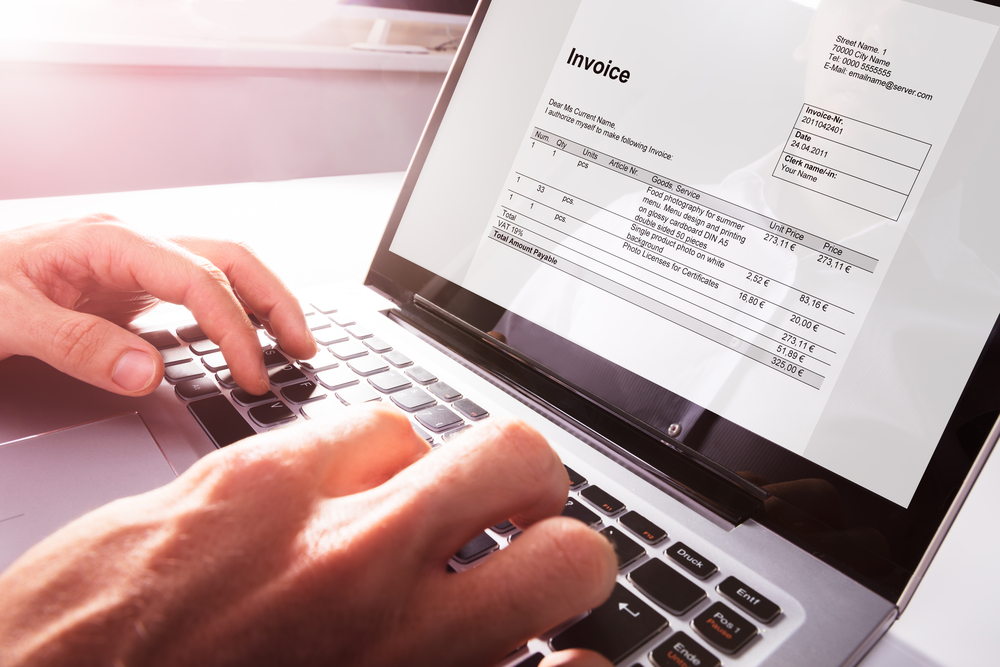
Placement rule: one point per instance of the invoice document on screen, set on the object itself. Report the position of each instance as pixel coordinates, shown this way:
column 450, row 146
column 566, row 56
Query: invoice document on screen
column 720, row 215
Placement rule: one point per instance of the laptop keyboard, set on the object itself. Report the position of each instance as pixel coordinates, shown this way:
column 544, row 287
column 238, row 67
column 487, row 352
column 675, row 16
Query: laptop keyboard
column 666, row 590
column 353, row 366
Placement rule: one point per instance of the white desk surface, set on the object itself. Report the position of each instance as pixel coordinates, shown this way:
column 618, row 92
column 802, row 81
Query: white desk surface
column 325, row 230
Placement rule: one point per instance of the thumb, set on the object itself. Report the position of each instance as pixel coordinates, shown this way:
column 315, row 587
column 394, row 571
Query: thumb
column 90, row 349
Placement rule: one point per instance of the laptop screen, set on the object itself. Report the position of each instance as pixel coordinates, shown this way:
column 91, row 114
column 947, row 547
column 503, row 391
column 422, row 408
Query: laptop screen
column 764, row 229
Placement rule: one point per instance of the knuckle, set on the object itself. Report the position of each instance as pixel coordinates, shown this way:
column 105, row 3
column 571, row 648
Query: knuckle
column 241, row 249
column 99, row 218
column 382, row 415
column 209, row 272
column 77, row 340
column 248, row 465
column 528, row 450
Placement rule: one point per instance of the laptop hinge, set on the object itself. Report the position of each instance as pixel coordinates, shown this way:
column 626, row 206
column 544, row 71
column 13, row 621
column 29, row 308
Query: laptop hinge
column 715, row 488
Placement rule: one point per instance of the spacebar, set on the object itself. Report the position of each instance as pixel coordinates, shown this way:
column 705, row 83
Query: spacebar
column 222, row 422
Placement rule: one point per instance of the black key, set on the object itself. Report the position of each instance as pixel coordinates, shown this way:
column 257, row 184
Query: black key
column 645, row 529
column 438, row 418
column 575, row 510
column 475, row 549
column 244, row 397
column 724, row 628
column 271, row 414
column 451, row 435
column 368, row 365
column 330, row 336
column 202, row 347
column 358, row 331
column 342, row 319
column 225, row 378
column 626, row 550
column 749, row 599
column 532, row 660
column 161, row 339
column 303, row 392
column 470, row 409
column 285, row 375
column 362, row 393
column 191, row 333
column 614, row 629
column 397, row 359
column 254, row 320
column 222, row 422
column 503, row 528
column 321, row 362
column 273, row 358
column 337, row 378
column 421, row 375
column 325, row 306
column 576, row 480
column 603, row 500
column 377, row 345
column 413, row 399
column 349, row 349
column 692, row 561
column 176, row 355
column 389, row 382
column 215, row 362
column 682, row 651
column 188, row 371
column 444, row 391
column 192, row 389
column 666, row 586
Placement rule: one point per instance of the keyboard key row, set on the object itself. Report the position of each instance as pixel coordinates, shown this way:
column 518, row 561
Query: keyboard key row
column 720, row 625
column 352, row 351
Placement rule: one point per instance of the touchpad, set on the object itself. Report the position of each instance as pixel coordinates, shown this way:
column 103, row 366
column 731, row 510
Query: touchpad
column 48, row 480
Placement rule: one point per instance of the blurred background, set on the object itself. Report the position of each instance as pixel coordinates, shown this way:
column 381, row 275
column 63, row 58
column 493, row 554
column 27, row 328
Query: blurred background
column 116, row 95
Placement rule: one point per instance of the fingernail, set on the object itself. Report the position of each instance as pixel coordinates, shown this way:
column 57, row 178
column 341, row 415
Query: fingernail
column 134, row 371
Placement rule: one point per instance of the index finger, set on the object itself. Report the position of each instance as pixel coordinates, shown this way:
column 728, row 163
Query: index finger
column 123, row 259
column 261, row 289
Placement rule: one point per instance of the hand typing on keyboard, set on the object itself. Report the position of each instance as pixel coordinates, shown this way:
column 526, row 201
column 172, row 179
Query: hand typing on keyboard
column 322, row 544
column 64, row 287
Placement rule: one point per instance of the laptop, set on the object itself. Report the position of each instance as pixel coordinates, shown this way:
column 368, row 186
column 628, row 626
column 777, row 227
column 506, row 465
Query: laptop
column 734, row 259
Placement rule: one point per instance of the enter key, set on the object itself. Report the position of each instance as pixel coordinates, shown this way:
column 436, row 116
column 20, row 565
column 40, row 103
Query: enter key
column 614, row 629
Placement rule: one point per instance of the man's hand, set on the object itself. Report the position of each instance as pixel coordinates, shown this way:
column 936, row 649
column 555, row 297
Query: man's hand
column 324, row 544
column 65, row 287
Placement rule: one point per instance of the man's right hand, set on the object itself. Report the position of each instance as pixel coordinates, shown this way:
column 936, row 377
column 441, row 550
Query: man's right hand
column 321, row 544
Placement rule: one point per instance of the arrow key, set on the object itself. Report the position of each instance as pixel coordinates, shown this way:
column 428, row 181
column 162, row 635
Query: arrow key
column 614, row 629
